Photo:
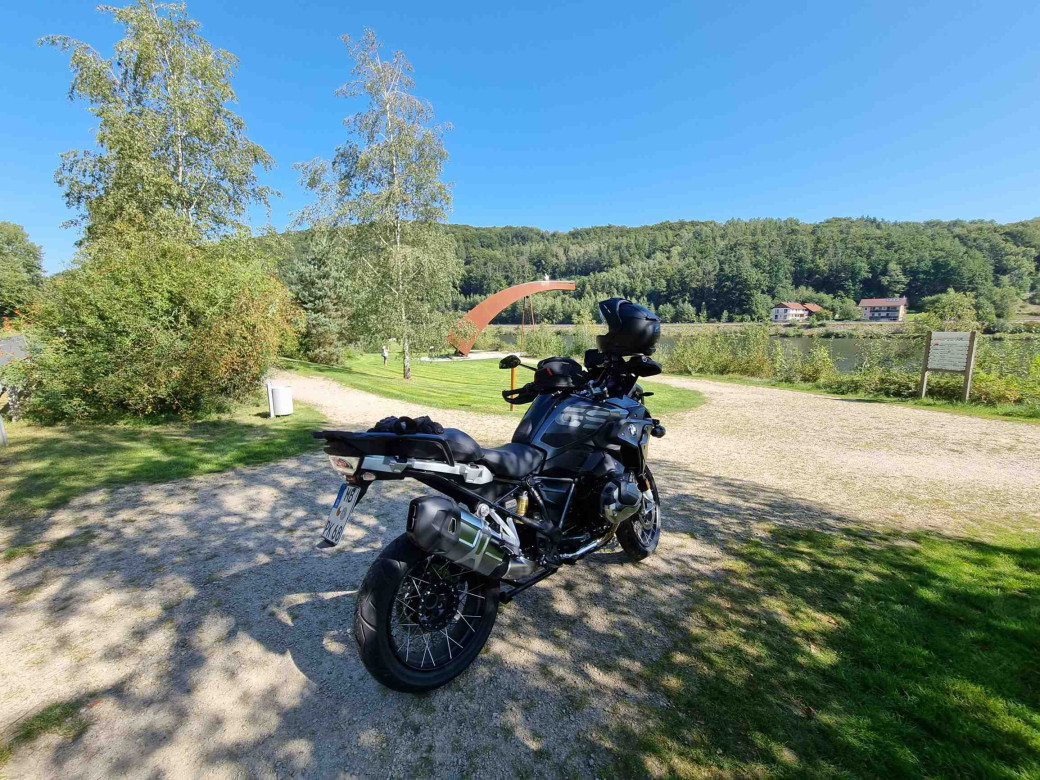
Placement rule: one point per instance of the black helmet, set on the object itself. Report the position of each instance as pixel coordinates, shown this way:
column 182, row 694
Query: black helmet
column 631, row 329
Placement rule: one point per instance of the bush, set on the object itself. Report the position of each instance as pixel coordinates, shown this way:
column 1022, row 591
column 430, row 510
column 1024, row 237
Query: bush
column 893, row 383
column 816, row 366
column 1007, row 370
column 153, row 327
column 745, row 351
column 543, row 341
column 581, row 337
column 487, row 340
column 989, row 389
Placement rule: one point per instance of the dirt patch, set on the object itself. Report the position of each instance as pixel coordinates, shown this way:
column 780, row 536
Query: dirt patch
column 212, row 638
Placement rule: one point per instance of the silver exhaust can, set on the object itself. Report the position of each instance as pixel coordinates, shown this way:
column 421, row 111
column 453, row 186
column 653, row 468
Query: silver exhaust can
column 440, row 526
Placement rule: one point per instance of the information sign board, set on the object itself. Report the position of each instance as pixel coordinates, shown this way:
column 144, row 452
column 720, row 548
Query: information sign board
column 950, row 351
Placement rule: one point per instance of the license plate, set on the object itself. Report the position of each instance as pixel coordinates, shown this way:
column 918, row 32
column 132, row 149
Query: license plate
column 341, row 511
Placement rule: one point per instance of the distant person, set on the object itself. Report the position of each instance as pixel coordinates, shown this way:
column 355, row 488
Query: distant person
column 386, row 354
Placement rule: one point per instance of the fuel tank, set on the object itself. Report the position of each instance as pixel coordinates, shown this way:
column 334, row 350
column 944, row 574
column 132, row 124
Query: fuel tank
column 568, row 427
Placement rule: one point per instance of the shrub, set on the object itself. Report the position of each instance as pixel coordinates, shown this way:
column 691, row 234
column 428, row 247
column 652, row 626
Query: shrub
column 153, row 327
column 891, row 382
column 581, row 337
column 745, row 351
column 815, row 366
column 487, row 340
column 989, row 389
column 543, row 341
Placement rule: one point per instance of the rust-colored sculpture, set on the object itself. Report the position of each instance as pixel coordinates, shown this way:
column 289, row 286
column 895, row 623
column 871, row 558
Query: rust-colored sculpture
column 480, row 315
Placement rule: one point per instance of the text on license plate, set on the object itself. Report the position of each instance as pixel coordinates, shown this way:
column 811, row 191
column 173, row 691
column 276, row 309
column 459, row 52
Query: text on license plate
column 340, row 514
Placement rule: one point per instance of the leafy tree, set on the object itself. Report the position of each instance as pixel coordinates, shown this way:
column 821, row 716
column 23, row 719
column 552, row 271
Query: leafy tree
column 21, row 268
column 847, row 309
column 1004, row 301
column 685, row 312
column 666, row 312
column 894, row 280
column 951, row 311
column 163, row 312
column 153, row 326
column 720, row 266
column 172, row 156
column 761, row 307
column 386, row 182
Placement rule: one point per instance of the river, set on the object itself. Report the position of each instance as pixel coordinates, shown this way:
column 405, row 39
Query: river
column 845, row 352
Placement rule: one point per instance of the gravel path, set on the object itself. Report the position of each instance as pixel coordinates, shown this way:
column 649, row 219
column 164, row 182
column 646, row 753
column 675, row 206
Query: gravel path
column 209, row 637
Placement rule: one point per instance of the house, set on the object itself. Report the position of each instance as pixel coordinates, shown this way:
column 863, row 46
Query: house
column 788, row 311
column 883, row 309
column 814, row 308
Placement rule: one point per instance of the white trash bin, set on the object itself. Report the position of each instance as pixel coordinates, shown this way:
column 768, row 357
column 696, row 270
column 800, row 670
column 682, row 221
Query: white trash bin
column 279, row 400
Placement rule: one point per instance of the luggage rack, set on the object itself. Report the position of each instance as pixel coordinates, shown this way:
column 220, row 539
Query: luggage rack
column 425, row 446
column 395, row 453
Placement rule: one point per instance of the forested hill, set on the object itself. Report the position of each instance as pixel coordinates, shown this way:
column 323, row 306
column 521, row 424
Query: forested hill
column 741, row 266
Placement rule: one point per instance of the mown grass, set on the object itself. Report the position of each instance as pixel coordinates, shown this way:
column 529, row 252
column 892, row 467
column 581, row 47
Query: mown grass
column 1017, row 412
column 471, row 385
column 846, row 655
column 46, row 466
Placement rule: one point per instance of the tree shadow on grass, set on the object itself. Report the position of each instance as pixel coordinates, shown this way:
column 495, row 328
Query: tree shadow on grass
column 221, row 639
column 844, row 654
column 49, row 466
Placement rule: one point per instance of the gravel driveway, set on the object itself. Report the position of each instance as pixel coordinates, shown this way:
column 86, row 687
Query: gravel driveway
column 209, row 637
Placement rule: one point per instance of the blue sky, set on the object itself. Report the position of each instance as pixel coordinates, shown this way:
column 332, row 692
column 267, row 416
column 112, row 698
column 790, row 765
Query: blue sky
column 567, row 115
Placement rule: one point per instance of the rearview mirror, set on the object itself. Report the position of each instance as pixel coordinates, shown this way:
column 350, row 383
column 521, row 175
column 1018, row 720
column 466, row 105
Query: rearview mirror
column 509, row 361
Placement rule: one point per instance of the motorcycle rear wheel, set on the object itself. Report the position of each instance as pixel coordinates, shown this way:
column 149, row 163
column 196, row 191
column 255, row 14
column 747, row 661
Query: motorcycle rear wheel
column 421, row 620
column 640, row 534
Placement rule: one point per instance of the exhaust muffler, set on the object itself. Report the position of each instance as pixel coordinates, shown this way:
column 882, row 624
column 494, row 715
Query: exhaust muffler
column 440, row 526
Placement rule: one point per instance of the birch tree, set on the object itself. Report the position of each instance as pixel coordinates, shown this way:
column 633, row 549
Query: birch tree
column 171, row 156
column 383, row 188
column 21, row 268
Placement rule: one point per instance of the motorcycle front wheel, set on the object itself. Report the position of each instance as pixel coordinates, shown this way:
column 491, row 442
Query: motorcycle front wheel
column 640, row 534
column 420, row 620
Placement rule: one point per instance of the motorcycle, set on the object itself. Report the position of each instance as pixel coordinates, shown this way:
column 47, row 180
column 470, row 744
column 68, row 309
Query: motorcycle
column 573, row 479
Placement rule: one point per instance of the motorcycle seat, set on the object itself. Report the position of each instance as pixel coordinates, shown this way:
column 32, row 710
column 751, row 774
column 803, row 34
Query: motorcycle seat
column 463, row 447
column 513, row 460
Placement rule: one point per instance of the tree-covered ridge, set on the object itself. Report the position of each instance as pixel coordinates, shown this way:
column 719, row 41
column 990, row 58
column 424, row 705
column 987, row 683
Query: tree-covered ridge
column 740, row 267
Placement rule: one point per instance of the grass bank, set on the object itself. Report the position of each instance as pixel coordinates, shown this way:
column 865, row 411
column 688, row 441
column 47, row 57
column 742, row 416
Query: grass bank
column 470, row 385
column 1006, row 383
column 874, row 655
column 1013, row 412
column 45, row 467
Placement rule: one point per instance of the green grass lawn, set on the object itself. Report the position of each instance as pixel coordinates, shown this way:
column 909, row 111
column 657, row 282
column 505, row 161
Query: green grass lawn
column 472, row 385
column 841, row 655
column 44, row 467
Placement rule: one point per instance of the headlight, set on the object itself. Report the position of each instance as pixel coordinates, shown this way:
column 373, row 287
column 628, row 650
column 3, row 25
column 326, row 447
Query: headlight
column 344, row 465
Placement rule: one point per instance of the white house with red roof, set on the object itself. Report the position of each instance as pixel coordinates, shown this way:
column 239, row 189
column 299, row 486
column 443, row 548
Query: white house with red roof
column 789, row 311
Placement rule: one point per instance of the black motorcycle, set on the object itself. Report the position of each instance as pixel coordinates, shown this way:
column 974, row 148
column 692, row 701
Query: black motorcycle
column 573, row 479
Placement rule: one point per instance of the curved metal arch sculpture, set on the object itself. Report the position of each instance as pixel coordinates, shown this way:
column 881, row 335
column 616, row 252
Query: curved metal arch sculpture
column 485, row 311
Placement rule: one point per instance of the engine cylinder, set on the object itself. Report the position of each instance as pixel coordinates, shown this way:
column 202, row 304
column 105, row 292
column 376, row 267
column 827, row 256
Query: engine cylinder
column 619, row 499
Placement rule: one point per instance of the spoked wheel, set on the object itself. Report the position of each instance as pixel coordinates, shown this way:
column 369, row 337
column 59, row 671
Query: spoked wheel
column 420, row 619
column 640, row 534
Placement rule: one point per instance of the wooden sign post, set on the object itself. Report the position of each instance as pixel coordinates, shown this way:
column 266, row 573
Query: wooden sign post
column 952, row 352
column 3, row 433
